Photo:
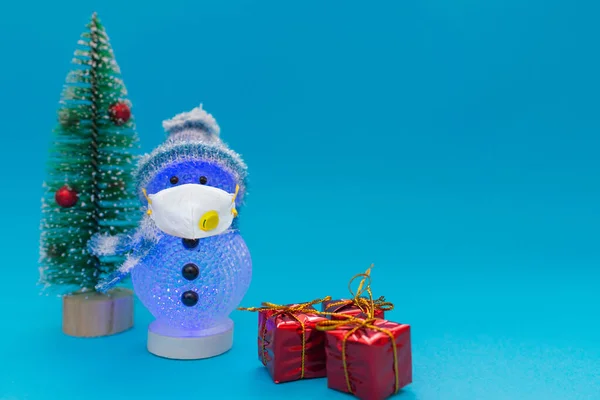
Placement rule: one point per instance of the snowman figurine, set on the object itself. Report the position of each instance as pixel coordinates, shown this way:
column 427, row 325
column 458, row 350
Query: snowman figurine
column 189, row 265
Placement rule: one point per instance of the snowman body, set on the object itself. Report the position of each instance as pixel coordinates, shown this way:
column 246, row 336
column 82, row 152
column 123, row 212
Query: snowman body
column 194, row 284
column 190, row 285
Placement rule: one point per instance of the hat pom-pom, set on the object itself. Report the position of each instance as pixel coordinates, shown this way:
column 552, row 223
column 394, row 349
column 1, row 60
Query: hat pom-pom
column 194, row 124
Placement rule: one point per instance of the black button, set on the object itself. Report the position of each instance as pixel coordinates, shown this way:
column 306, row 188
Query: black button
column 203, row 180
column 190, row 243
column 174, row 180
column 190, row 271
column 189, row 298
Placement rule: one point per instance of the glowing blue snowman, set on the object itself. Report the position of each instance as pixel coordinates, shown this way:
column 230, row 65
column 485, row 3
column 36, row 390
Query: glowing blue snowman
column 188, row 262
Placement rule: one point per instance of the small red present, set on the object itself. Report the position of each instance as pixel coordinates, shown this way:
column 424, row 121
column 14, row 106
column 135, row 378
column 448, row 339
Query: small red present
column 369, row 358
column 288, row 343
column 356, row 307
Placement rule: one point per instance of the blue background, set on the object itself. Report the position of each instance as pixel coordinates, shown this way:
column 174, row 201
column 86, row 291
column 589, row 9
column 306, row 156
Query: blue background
column 452, row 143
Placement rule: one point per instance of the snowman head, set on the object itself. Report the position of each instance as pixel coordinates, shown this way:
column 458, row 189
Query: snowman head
column 193, row 185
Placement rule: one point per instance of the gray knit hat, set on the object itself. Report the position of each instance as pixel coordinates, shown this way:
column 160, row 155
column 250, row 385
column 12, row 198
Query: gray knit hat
column 193, row 135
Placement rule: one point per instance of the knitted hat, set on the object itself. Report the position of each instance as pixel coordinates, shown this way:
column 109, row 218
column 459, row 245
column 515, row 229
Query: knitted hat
column 191, row 136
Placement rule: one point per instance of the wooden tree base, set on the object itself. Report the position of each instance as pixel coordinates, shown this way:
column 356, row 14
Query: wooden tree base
column 95, row 314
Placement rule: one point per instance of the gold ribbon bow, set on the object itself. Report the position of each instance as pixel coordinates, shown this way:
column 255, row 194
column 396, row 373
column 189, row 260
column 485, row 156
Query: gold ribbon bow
column 354, row 324
column 361, row 302
column 290, row 311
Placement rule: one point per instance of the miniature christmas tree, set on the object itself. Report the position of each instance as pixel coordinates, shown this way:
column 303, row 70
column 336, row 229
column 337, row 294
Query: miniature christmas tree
column 89, row 188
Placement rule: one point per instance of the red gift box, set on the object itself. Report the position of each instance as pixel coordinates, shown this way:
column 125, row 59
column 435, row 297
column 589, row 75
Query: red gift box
column 361, row 304
column 288, row 343
column 370, row 359
column 356, row 307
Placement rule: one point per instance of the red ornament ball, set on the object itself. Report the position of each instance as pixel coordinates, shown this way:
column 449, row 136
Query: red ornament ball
column 66, row 197
column 120, row 113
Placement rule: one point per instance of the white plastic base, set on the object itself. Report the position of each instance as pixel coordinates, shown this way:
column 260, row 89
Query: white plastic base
column 178, row 344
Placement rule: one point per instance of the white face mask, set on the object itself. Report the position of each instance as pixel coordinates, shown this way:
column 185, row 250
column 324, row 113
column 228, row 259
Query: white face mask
column 192, row 211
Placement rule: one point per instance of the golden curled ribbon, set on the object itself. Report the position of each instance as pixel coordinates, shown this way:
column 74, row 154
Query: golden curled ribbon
column 290, row 311
column 355, row 324
column 366, row 305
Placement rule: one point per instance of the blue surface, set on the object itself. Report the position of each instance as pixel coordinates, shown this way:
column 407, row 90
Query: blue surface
column 452, row 143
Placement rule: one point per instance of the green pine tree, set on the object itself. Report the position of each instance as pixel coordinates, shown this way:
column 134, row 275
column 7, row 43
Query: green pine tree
column 90, row 165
